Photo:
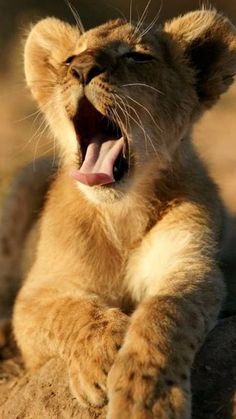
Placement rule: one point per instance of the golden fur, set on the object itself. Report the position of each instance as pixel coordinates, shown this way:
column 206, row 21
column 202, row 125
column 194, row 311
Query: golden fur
column 126, row 283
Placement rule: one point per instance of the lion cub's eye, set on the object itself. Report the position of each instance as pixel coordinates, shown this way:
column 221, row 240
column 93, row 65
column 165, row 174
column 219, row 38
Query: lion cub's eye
column 139, row 57
column 69, row 60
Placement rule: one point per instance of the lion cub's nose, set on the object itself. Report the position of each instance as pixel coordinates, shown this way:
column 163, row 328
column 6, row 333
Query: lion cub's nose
column 85, row 67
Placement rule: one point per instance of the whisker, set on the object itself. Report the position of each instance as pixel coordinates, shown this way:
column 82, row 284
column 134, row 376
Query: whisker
column 38, row 130
column 117, row 118
column 47, row 151
column 161, row 139
column 120, row 12
column 153, row 22
column 143, row 16
column 28, row 142
column 37, row 143
column 140, row 124
column 76, row 16
column 126, row 116
column 146, row 135
column 129, row 116
column 37, row 112
column 148, row 112
column 144, row 85
column 130, row 11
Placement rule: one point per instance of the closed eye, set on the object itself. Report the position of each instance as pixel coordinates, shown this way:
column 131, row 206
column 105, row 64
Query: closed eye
column 139, row 57
column 69, row 60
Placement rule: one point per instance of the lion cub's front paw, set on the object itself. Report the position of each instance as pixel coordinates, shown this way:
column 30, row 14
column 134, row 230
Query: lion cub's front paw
column 141, row 389
column 95, row 351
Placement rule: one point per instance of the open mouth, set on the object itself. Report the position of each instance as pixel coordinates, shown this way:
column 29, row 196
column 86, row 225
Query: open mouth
column 103, row 148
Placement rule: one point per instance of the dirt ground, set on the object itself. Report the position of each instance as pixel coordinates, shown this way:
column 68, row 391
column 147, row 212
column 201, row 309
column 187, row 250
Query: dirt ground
column 45, row 394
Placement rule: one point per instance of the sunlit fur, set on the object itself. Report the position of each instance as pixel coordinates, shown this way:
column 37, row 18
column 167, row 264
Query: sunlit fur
column 147, row 245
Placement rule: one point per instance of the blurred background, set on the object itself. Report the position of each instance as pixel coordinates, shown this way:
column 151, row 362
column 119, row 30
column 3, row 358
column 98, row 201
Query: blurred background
column 22, row 133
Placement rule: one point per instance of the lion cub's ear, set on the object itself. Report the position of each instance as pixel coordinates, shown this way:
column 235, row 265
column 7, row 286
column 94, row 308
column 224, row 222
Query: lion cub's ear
column 49, row 43
column 209, row 43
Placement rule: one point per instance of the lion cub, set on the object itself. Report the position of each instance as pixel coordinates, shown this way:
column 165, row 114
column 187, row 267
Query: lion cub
column 126, row 283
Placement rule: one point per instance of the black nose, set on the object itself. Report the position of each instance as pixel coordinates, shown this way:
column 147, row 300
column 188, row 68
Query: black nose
column 85, row 67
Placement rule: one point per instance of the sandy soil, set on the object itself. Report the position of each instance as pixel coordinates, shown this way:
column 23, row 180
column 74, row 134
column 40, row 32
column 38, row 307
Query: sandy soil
column 45, row 395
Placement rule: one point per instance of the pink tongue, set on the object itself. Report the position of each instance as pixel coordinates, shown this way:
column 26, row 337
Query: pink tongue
column 97, row 168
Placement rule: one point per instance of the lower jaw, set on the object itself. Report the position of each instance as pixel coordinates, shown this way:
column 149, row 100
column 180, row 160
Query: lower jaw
column 116, row 185
column 111, row 193
column 107, row 194
column 95, row 180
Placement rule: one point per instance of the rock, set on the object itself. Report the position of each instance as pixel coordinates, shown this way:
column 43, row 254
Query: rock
column 214, row 374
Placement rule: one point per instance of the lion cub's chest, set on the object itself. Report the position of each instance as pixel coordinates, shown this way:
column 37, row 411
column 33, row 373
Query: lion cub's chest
column 104, row 260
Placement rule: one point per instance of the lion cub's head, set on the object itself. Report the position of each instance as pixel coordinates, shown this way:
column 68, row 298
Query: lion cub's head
column 120, row 98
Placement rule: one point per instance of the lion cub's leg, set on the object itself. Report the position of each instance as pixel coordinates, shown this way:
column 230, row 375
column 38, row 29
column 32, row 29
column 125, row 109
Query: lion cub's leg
column 179, row 289
column 77, row 327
